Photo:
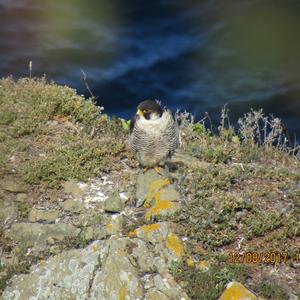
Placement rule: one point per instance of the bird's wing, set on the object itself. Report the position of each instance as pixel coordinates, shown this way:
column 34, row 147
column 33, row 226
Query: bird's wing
column 132, row 123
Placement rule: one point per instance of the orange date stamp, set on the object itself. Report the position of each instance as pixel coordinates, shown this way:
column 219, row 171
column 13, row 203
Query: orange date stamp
column 271, row 257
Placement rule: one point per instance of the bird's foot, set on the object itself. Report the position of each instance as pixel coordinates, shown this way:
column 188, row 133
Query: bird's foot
column 157, row 170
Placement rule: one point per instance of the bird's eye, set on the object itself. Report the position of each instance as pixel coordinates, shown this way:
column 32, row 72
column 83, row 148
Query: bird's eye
column 145, row 110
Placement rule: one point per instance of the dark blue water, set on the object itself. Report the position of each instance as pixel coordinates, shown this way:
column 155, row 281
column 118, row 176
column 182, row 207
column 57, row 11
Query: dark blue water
column 192, row 55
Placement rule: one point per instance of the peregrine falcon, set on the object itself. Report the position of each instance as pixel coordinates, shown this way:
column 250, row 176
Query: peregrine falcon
column 154, row 134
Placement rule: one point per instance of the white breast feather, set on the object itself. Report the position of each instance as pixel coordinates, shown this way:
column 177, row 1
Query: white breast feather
column 154, row 127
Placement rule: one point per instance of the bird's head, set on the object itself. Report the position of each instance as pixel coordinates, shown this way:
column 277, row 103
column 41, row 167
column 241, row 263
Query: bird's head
column 149, row 110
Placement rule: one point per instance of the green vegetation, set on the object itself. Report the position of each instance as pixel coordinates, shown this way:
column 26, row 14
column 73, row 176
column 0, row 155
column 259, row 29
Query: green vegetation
column 50, row 134
column 243, row 196
column 208, row 284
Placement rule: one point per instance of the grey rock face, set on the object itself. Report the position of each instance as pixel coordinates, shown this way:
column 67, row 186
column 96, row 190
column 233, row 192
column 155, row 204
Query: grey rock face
column 72, row 186
column 64, row 276
column 36, row 235
column 14, row 187
column 118, row 277
column 114, row 203
column 8, row 211
column 72, row 205
column 144, row 180
column 109, row 269
column 38, row 215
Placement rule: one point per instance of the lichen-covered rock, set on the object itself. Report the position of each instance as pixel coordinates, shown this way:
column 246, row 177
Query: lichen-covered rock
column 144, row 257
column 74, row 187
column 170, row 194
column 169, row 287
column 162, row 208
column 14, row 187
column 8, row 211
column 114, row 203
column 118, row 277
column 109, row 269
column 40, row 215
column 154, row 294
column 236, row 291
column 36, row 235
column 65, row 276
column 143, row 183
column 72, row 205
column 153, row 233
column 22, row 197
column 115, row 225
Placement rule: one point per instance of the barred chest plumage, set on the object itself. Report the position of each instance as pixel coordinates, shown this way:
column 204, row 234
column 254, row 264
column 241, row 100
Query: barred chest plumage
column 153, row 141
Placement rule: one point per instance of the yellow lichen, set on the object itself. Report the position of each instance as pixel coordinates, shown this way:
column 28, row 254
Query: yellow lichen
column 122, row 293
column 95, row 248
column 203, row 265
column 109, row 227
column 174, row 244
column 132, row 233
column 190, row 262
column 151, row 227
column 158, row 208
column 236, row 291
column 145, row 228
column 157, row 197
column 155, row 186
column 120, row 252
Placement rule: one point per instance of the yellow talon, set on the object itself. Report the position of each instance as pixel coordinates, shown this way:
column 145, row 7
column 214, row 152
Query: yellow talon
column 157, row 170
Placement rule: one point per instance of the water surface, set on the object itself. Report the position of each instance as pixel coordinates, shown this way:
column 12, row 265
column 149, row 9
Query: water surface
column 192, row 55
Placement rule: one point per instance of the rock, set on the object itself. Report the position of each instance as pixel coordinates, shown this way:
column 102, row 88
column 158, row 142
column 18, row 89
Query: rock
column 169, row 287
column 14, row 187
column 162, row 208
column 73, row 187
column 88, row 233
column 22, row 197
column 72, row 205
column 153, row 233
column 92, row 217
column 118, row 277
column 115, row 225
column 154, row 294
column 169, row 194
column 114, row 203
column 8, row 212
column 236, row 291
column 109, row 269
column 99, row 233
column 140, row 251
column 144, row 181
column 182, row 158
column 36, row 235
column 65, row 276
column 38, row 215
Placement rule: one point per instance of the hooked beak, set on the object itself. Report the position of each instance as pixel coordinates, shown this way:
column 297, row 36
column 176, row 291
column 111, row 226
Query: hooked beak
column 139, row 112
